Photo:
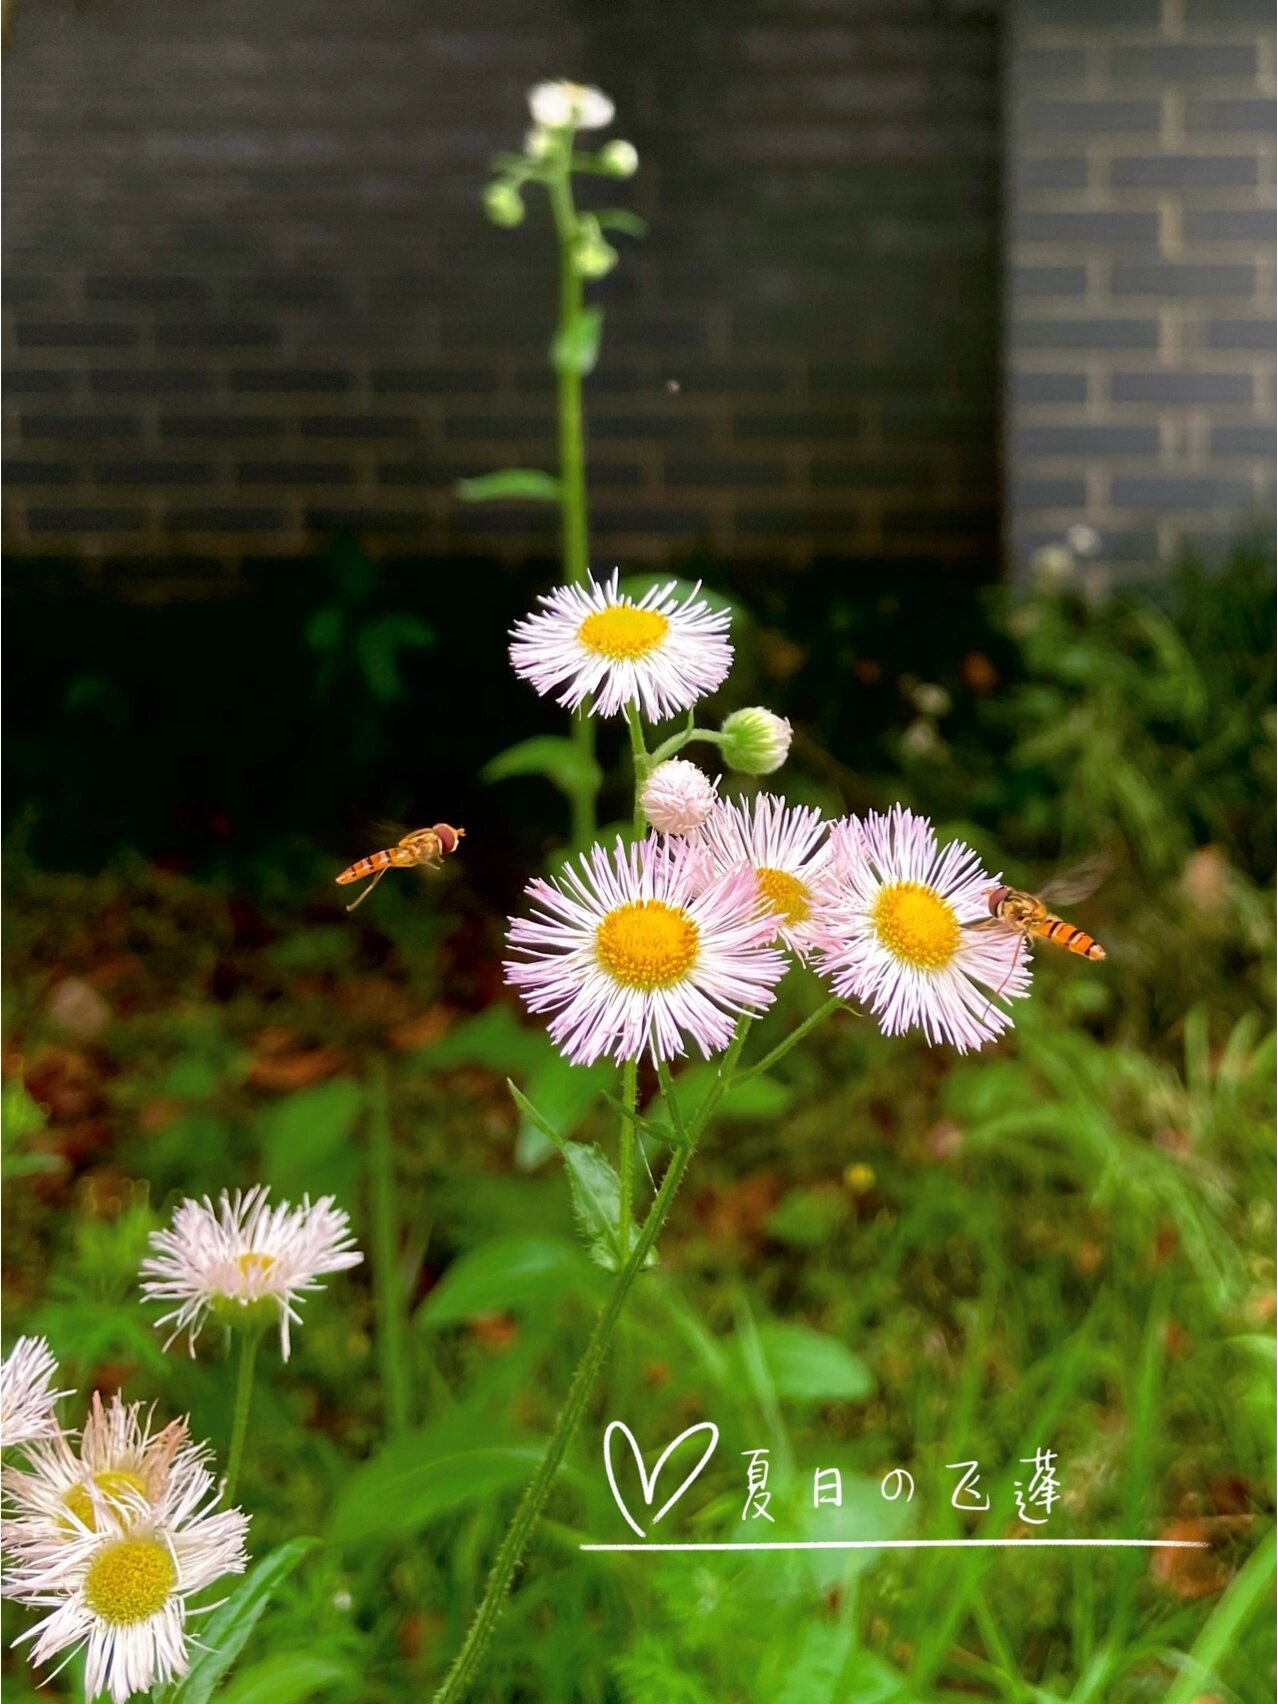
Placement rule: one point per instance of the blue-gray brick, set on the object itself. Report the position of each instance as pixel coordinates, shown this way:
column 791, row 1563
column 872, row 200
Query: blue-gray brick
column 1089, row 440
column 1032, row 388
column 1179, row 278
column 1090, row 117
column 1049, row 172
column 1213, row 115
column 1184, row 388
column 1086, row 334
column 1243, row 440
column 1254, row 334
column 1181, row 61
column 1049, row 280
column 1031, row 493
column 1087, row 227
column 1229, row 225
column 1183, row 171
column 1177, row 491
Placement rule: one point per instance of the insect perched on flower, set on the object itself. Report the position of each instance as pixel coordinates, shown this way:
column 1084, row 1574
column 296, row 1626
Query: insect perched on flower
column 425, row 846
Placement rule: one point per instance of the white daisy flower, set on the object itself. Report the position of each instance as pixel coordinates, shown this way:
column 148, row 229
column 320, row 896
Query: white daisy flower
column 677, row 797
column 245, row 1261
column 785, row 847
column 633, row 956
column 120, row 1590
column 26, row 1401
column 895, row 933
column 557, row 105
column 119, row 1461
column 660, row 654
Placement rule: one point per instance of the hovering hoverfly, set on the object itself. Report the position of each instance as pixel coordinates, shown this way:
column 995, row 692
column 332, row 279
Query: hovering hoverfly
column 1030, row 915
column 422, row 846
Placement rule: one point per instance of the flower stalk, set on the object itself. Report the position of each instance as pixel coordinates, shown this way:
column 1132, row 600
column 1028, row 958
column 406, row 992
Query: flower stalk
column 392, row 1346
column 250, row 1336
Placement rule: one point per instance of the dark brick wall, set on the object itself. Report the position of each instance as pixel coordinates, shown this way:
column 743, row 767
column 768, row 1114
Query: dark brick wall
column 251, row 292
column 1139, row 295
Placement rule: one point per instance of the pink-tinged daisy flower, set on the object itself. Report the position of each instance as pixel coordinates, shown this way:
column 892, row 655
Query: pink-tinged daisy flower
column 592, row 642
column 895, row 933
column 120, row 1589
column 677, row 797
column 26, row 1401
column 245, row 1261
column 119, row 1460
column 633, row 955
column 785, row 847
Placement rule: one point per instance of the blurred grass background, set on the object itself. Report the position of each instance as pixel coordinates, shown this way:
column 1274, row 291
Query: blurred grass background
column 887, row 1255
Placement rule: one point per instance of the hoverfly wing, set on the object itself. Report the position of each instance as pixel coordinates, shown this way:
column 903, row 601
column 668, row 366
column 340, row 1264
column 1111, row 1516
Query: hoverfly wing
column 1077, row 883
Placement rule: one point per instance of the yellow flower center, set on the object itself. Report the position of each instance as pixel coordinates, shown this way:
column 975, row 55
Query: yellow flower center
column 119, row 1488
column 916, row 925
column 784, row 893
column 256, row 1265
column 130, row 1581
column 647, row 944
column 623, row 633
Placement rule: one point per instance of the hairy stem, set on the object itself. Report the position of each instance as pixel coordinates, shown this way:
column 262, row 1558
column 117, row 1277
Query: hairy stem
column 520, row 1530
column 249, row 1341
column 392, row 1348
column 823, row 1011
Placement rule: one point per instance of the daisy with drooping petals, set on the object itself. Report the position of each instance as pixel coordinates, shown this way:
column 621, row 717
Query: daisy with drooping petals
column 895, row 934
column 558, row 105
column 26, row 1401
column 120, row 1460
column 633, row 954
column 245, row 1261
column 677, row 797
column 120, row 1589
column 591, row 641
column 786, row 849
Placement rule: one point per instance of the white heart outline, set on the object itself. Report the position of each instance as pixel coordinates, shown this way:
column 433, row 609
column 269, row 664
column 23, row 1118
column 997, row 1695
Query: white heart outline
column 649, row 1481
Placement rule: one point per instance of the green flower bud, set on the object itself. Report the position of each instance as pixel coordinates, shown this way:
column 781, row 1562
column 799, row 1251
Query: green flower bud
column 755, row 742
column 619, row 159
column 593, row 257
column 504, row 205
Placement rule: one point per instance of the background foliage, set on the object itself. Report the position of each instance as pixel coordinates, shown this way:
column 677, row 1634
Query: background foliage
column 889, row 1256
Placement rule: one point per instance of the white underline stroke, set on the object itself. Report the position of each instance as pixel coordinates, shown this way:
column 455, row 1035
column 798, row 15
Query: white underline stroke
column 930, row 1544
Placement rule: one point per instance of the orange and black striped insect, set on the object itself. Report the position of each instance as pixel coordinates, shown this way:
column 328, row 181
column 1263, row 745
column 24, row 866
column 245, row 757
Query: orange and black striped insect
column 1030, row 916
column 423, row 846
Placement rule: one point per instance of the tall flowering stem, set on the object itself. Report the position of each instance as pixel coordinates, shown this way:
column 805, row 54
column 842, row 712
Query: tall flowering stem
column 533, row 1502
column 250, row 1337
column 392, row 1348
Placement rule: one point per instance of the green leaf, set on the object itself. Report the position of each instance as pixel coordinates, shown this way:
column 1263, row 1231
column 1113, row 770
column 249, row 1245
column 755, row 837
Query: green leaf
column 564, row 1094
column 286, row 1678
column 619, row 219
column 227, row 1630
column 508, row 1274
column 521, row 484
column 576, row 348
column 559, row 760
column 378, row 646
column 307, row 1129
column 419, row 1479
column 494, row 1038
column 808, row 1366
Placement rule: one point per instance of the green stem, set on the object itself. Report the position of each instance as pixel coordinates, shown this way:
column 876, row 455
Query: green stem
column 572, row 475
column 626, row 1153
column 392, row 1348
column 520, row 1530
column 796, row 1035
column 642, row 763
column 249, row 1341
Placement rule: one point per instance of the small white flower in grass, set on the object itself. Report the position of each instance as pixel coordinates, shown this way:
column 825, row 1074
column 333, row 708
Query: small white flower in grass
column 119, row 1461
column 26, row 1401
column 592, row 642
column 633, row 956
column 120, row 1589
column 677, row 797
column 558, row 105
column 895, row 932
column 755, row 742
column 785, row 848
column 245, row 1261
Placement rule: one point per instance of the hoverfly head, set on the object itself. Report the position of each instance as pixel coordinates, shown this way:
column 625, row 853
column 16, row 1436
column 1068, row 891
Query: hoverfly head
column 995, row 899
column 448, row 837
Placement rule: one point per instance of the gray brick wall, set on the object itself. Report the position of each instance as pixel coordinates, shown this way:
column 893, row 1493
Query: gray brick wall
column 1139, row 298
column 251, row 294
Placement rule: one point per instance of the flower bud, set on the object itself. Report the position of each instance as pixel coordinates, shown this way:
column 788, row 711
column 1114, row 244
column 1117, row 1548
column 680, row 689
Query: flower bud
column 619, row 159
column 504, row 205
column 677, row 797
column 537, row 143
column 593, row 257
column 755, row 742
